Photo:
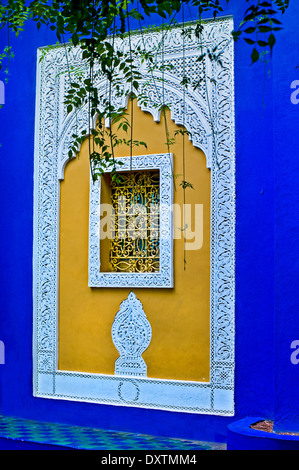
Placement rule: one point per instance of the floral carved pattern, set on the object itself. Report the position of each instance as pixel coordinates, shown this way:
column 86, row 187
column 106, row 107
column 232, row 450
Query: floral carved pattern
column 131, row 335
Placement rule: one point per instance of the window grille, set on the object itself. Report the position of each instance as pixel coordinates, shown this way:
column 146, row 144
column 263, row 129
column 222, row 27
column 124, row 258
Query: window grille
column 135, row 199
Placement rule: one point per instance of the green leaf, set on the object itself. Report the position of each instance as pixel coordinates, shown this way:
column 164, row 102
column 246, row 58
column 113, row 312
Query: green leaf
column 271, row 40
column 75, row 39
column 262, row 43
column 255, row 56
column 250, row 30
column 249, row 41
column 265, row 29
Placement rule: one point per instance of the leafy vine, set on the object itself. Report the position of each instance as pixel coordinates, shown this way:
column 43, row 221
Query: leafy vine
column 94, row 26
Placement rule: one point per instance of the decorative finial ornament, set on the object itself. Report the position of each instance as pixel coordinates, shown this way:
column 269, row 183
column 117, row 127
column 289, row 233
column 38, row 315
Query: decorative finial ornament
column 131, row 335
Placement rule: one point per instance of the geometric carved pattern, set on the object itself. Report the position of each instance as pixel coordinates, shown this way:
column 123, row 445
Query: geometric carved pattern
column 54, row 130
column 131, row 335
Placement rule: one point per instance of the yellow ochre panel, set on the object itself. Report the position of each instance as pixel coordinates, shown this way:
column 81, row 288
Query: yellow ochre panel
column 179, row 317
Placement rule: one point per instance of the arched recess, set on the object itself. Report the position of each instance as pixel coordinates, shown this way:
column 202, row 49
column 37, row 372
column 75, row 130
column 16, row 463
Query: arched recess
column 186, row 109
column 87, row 306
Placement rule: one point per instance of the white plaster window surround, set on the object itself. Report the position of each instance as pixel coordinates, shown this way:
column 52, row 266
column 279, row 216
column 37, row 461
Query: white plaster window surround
column 163, row 278
column 54, row 128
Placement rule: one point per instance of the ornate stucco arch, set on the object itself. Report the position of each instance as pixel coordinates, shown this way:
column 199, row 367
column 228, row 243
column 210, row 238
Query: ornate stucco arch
column 186, row 110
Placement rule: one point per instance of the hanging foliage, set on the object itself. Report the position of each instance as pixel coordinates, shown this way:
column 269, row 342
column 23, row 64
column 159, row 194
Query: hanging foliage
column 94, row 25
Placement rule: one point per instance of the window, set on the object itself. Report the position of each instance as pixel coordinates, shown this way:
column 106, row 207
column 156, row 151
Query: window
column 141, row 241
column 135, row 201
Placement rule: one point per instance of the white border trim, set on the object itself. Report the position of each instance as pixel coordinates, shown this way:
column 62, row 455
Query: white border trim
column 54, row 129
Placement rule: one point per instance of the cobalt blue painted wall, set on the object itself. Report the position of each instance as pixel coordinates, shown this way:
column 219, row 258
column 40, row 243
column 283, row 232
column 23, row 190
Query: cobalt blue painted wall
column 267, row 200
column 286, row 70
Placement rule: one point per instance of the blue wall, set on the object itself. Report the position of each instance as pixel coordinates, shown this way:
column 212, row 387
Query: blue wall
column 267, row 248
column 286, row 120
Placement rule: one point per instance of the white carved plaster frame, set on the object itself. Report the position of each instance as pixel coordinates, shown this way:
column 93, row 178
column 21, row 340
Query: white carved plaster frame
column 164, row 277
column 54, row 129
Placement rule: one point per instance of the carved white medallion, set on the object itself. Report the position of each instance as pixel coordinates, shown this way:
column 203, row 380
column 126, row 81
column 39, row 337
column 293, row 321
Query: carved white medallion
column 131, row 335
